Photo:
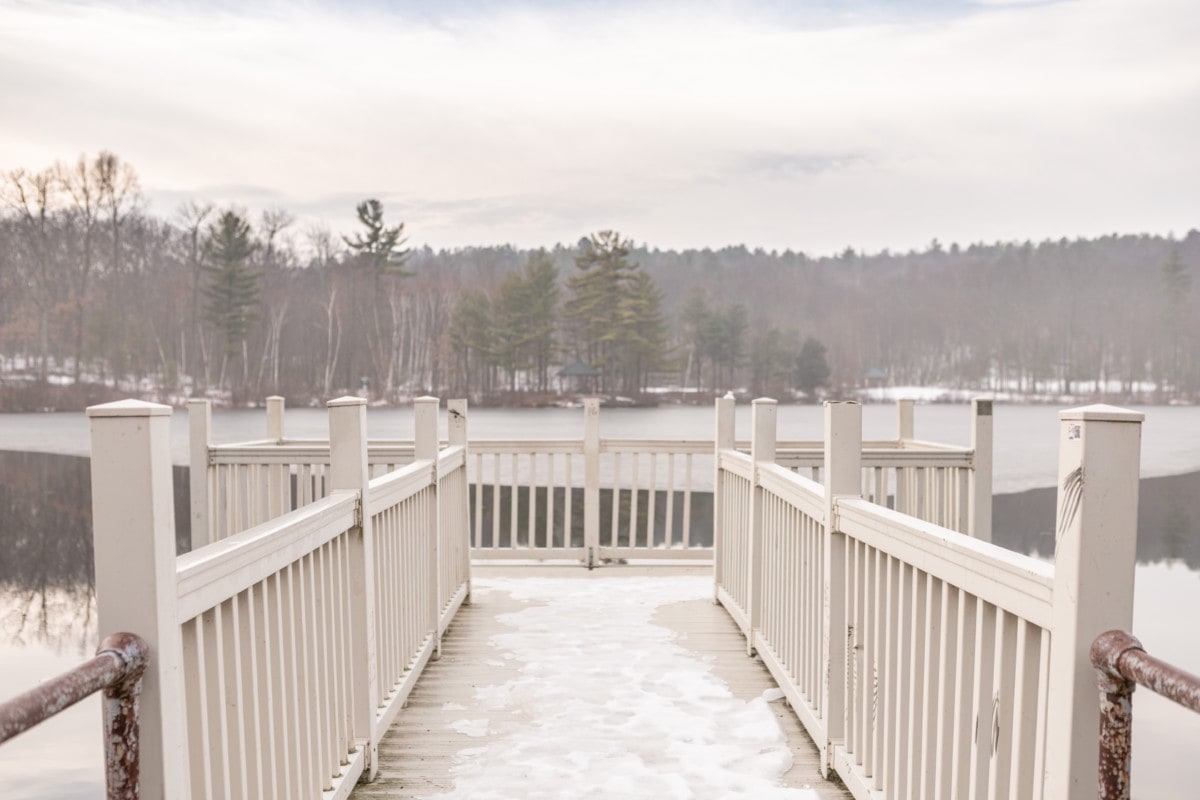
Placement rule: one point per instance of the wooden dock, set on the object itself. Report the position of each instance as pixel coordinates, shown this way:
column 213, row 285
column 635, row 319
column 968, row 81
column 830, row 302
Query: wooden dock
column 433, row 739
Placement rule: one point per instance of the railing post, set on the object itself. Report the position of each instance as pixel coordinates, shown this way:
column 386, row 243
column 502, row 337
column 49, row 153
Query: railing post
column 724, row 440
column 591, row 480
column 762, row 451
column 275, row 419
column 425, row 448
column 843, row 478
column 904, row 420
column 199, row 481
column 133, row 518
column 905, row 432
column 348, row 471
column 981, row 474
column 1094, row 560
column 458, row 436
column 278, row 475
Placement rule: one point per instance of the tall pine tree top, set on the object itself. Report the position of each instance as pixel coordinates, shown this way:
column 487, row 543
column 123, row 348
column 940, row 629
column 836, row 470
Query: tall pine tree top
column 379, row 247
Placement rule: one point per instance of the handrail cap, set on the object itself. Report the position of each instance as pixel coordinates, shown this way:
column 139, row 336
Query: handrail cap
column 1100, row 412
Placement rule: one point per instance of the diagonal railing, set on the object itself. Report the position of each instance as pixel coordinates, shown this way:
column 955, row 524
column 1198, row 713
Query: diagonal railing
column 924, row 662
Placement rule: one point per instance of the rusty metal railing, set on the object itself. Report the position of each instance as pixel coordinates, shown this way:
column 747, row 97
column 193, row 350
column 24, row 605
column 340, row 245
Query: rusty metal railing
column 1122, row 665
column 117, row 670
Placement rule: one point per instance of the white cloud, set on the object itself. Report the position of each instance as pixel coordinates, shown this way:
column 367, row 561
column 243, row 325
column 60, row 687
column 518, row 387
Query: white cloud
column 533, row 125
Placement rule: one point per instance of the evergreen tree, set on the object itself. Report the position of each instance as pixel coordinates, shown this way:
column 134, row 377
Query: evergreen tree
column 645, row 331
column 379, row 247
column 231, row 296
column 812, row 371
column 470, row 337
column 596, row 307
column 772, row 359
column 232, row 292
column 542, row 295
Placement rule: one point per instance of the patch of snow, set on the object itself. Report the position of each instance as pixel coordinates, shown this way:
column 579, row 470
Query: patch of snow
column 453, row 707
column 771, row 695
column 470, row 727
column 607, row 704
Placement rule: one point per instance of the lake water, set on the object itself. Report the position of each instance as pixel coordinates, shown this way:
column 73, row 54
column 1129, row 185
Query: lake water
column 46, row 623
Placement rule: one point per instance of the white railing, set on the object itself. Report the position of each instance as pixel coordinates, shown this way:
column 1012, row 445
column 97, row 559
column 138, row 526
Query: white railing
column 282, row 652
column 589, row 499
column 943, row 484
column 926, row 663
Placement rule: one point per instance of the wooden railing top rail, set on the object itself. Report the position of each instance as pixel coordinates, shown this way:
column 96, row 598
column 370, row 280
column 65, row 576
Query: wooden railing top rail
column 1017, row 583
column 395, row 487
column 804, row 493
column 212, row 574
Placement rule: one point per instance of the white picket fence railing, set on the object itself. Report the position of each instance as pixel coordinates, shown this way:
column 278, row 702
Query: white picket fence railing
column 283, row 652
column 926, row 663
column 589, row 499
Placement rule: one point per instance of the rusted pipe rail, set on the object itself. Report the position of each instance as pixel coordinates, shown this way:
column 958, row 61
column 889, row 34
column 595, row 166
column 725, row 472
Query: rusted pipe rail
column 1122, row 665
column 117, row 670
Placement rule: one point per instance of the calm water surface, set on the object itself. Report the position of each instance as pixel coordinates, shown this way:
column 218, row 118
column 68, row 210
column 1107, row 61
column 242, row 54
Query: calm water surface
column 46, row 622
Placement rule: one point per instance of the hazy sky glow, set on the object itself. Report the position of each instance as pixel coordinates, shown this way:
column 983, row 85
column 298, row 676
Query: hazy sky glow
column 681, row 124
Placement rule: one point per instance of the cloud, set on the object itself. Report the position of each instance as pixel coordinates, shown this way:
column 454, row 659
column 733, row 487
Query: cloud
column 682, row 124
column 792, row 166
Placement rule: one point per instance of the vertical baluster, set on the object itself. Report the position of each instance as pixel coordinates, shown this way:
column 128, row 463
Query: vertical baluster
column 948, row 644
column 531, row 497
column 887, row 679
column 880, row 615
column 669, row 533
column 1003, row 684
column 616, row 499
column 964, row 671
column 551, row 488
column 568, row 518
column 865, row 633
column 930, row 691
column 218, row 725
column 635, row 493
column 1040, row 720
column 270, row 781
column 985, row 646
column 198, row 735
column 687, row 501
column 242, row 760
column 1024, row 711
column 652, row 503
column 901, row 738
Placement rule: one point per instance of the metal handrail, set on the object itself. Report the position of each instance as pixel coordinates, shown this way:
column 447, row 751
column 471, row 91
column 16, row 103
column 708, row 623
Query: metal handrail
column 1121, row 666
column 117, row 671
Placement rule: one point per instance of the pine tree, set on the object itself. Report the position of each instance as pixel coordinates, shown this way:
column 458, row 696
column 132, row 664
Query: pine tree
column 231, row 296
column 595, row 309
column 379, row 248
column 232, row 292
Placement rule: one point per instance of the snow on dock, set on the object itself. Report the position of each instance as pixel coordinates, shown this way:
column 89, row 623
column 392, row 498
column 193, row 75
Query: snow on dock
column 563, row 684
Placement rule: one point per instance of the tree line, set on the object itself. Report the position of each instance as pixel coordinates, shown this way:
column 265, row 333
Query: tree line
column 96, row 290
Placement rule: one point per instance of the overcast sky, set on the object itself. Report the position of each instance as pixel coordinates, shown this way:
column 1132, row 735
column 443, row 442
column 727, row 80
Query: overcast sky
column 809, row 125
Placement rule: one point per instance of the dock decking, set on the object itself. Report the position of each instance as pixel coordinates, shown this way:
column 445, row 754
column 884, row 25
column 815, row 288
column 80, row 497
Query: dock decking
column 640, row 684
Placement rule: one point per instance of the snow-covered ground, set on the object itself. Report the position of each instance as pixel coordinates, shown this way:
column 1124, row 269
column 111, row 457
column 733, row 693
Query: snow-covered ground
column 611, row 706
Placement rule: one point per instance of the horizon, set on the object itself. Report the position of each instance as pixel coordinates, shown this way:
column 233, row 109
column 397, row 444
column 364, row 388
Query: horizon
column 488, row 124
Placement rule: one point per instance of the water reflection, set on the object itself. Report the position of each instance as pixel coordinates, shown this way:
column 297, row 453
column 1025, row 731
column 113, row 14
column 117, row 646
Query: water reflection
column 47, row 589
column 1168, row 509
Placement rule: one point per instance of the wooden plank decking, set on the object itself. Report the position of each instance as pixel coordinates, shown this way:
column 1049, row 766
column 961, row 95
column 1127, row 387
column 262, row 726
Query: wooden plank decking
column 436, row 734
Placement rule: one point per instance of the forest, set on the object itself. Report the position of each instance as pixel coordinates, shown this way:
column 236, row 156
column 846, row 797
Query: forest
column 101, row 296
